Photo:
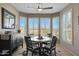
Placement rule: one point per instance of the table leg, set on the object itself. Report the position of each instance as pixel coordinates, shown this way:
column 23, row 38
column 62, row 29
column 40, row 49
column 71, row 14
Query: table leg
column 40, row 46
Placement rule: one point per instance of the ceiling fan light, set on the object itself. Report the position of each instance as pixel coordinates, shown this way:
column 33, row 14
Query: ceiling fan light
column 40, row 9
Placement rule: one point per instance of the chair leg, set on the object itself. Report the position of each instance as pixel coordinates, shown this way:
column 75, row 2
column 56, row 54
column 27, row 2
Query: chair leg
column 27, row 52
column 55, row 51
column 32, row 53
column 51, row 53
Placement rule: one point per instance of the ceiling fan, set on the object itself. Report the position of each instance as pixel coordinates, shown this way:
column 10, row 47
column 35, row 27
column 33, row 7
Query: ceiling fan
column 40, row 8
column 45, row 8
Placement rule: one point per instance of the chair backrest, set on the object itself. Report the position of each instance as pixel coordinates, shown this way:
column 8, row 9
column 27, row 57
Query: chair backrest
column 54, row 40
column 28, row 42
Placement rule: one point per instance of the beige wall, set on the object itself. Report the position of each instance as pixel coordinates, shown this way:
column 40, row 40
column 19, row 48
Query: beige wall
column 10, row 8
column 74, row 48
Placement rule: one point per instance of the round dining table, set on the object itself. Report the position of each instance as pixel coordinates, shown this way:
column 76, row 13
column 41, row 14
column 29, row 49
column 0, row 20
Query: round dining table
column 41, row 40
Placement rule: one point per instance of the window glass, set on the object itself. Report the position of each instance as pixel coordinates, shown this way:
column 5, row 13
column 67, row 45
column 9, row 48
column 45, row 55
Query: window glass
column 56, row 26
column 45, row 26
column 33, row 26
column 23, row 24
column 67, row 26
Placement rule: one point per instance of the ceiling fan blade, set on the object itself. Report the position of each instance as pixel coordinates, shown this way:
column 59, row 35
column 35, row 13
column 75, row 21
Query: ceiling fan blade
column 47, row 8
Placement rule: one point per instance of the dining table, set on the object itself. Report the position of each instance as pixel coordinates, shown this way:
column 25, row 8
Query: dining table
column 40, row 41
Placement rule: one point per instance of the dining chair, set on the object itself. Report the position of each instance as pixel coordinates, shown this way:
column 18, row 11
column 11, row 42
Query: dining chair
column 29, row 46
column 51, row 48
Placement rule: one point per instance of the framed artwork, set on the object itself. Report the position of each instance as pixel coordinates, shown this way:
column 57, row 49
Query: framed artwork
column 8, row 19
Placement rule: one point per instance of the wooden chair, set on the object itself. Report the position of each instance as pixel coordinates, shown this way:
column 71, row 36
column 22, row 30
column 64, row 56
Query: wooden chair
column 52, row 48
column 29, row 46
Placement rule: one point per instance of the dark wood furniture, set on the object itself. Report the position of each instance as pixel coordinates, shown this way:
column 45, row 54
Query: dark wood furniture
column 7, row 43
column 52, row 48
column 29, row 46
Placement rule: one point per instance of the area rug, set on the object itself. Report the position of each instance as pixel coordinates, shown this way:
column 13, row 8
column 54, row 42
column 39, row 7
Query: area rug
column 21, row 52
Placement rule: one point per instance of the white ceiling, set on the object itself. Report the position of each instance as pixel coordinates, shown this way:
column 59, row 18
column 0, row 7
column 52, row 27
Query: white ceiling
column 32, row 7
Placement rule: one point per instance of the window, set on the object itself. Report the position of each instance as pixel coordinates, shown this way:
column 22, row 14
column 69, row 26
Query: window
column 23, row 24
column 44, row 26
column 33, row 26
column 44, row 23
column 55, row 26
column 67, row 26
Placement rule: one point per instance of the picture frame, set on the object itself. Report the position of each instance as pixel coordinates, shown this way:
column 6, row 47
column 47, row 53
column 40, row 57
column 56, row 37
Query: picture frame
column 8, row 19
